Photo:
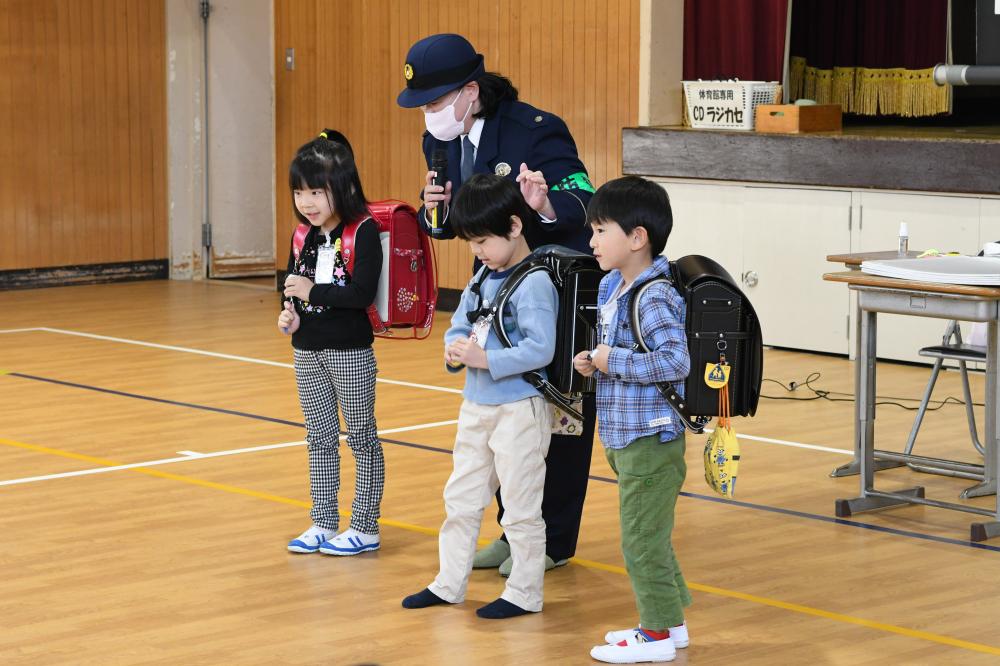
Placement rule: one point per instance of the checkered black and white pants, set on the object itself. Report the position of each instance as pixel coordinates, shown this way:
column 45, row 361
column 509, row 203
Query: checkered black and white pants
column 346, row 377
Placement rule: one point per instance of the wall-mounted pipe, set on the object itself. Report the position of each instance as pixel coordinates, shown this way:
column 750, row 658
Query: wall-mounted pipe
column 967, row 75
column 206, row 220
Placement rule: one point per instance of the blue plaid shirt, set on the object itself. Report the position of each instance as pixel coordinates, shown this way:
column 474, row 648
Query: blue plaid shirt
column 629, row 406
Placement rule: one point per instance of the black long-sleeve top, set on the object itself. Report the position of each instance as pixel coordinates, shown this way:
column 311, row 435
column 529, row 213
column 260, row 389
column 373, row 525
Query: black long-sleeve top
column 334, row 316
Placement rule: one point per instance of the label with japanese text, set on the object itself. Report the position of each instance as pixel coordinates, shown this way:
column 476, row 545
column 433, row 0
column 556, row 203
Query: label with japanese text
column 719, row 104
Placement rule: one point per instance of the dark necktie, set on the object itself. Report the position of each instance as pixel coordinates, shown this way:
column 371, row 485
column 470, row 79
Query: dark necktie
column 468, row 157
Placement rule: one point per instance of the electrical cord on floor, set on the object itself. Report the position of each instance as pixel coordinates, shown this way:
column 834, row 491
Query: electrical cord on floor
column 840, row 396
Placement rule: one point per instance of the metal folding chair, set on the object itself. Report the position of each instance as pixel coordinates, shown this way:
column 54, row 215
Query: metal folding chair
column 951, row 348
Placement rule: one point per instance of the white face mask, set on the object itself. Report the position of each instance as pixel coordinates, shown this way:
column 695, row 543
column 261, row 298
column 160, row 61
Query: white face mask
column 442, row 124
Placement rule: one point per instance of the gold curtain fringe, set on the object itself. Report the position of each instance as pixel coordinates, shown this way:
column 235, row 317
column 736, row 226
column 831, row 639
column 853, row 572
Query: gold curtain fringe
column 902, row 92
column 796, row 77
column 843, row 87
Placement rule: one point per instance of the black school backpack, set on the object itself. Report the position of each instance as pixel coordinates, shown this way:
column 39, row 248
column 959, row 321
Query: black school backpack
column 721, row 327
column 576, row 277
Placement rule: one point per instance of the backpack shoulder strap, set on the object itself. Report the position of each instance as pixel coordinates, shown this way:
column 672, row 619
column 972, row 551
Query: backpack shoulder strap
column 517, row 275
column 635, row 319
column 476, row 287
column 299, row 239
column 666, row 389
column 347, row 238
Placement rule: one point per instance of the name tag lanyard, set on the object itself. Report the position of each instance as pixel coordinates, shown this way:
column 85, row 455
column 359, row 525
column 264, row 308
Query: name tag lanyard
column 325, row 259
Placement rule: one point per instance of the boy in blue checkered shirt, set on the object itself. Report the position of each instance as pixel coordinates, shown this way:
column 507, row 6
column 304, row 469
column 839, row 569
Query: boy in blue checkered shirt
column 643, row 439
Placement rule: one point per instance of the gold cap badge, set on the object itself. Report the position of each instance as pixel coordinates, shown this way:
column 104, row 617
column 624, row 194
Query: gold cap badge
column 408, row 71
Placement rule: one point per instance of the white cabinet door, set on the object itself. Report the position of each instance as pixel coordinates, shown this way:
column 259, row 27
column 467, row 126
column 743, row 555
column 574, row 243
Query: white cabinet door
column 787, row 234
column 941, row 222
column 708, row 220
column 989, row 222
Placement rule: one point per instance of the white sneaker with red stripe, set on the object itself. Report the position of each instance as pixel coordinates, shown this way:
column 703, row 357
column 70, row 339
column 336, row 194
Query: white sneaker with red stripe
column 637, row 648
column 678, row 633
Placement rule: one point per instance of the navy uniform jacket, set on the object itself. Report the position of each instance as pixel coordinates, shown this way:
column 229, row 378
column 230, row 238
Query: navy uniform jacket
column 517, row 133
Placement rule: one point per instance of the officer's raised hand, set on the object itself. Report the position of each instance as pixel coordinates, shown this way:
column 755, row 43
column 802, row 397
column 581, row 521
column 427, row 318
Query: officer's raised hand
column 535, row 191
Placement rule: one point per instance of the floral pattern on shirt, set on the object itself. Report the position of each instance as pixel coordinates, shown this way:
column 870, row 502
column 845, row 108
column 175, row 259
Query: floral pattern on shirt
column 305, row 265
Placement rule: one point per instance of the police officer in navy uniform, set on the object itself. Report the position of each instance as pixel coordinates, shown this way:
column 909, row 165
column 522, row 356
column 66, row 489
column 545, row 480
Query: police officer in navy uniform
column 474, row 116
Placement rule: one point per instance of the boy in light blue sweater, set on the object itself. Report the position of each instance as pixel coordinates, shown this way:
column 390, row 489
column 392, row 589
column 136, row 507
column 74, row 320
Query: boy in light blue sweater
column 504, row 424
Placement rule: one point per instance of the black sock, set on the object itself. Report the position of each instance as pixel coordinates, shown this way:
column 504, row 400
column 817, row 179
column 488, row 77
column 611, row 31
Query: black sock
column 500, row 610
column 422, row 599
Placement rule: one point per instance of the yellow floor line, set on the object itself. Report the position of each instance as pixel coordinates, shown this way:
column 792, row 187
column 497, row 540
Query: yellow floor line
column 807, row 610
column 590, row 564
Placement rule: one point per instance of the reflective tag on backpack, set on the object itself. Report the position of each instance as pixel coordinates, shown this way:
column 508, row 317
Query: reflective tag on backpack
column 717, row 374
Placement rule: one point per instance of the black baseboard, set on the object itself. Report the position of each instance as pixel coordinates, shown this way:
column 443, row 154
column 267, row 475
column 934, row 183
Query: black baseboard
column 65, row 276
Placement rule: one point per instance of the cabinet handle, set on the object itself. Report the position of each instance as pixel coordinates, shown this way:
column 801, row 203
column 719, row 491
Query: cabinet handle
column 750, row 279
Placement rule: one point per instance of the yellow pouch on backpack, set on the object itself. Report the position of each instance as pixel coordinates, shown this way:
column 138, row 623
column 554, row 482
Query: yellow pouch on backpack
column 722, row 451
column 722, row 459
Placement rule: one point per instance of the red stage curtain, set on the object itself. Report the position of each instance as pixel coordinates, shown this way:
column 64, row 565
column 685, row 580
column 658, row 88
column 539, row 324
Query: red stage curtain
column 726, row 39
column 870, row 57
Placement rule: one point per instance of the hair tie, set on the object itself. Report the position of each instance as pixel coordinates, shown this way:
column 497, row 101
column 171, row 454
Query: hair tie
column 334, row 136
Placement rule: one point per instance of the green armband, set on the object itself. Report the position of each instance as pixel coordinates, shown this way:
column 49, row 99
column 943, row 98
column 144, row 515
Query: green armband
column 574, row 181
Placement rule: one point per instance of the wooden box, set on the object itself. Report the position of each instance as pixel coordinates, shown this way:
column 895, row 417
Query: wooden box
column 792, row 119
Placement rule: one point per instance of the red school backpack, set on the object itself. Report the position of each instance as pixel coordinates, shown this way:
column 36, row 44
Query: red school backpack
column 407, row 287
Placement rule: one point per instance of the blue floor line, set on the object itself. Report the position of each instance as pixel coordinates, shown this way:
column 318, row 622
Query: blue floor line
column 708, row 498
column 164, row 401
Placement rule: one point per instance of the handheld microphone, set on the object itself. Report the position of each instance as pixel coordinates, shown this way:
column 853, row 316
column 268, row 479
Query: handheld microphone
column 439, row 165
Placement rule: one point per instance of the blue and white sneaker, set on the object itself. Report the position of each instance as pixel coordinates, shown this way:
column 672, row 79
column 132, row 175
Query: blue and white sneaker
column 310, row 540
column 350, row 542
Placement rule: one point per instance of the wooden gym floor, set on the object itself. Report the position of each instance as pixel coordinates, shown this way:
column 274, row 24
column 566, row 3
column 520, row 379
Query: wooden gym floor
column 152, row 471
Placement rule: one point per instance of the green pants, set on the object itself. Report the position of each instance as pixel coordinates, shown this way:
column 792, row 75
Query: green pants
column 650, row 474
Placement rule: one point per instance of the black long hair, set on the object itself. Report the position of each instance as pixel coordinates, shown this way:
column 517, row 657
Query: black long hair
column 327, row 164
column 493, row 89
column 484, row 205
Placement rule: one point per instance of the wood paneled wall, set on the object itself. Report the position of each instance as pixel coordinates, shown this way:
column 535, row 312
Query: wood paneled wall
column 82, row 132
column 576, row 58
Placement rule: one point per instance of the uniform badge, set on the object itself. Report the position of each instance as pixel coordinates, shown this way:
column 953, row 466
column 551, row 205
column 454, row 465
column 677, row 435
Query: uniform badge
column 407, row 71
column 503, row 169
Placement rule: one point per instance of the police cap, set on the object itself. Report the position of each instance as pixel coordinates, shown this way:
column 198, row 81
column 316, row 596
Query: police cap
column 436, row 65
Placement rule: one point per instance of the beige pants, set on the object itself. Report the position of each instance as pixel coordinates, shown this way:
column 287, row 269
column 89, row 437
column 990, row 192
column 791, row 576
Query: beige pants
column 501, row 445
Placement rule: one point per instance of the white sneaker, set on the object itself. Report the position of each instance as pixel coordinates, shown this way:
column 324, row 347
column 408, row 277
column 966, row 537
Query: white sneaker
column 678, row 633
column 350, row 542
column 635, row 649
column 310, row 540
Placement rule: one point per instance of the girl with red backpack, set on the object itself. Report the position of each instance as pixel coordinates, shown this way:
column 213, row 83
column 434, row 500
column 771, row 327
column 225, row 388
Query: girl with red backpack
column 325, row 313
